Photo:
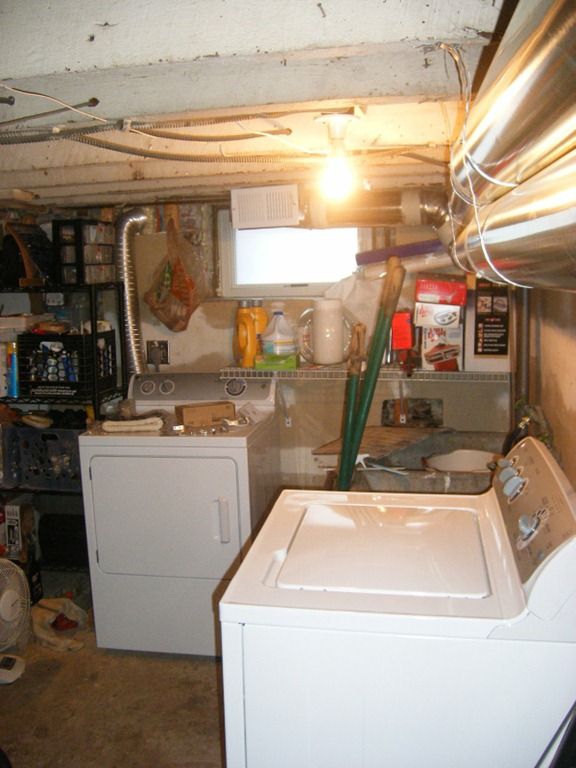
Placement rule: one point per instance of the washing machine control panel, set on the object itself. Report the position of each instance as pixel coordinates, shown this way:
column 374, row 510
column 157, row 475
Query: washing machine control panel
column 537, row 503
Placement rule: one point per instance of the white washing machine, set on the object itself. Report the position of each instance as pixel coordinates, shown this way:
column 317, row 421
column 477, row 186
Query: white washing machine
column 403, row 630
column 170, row 514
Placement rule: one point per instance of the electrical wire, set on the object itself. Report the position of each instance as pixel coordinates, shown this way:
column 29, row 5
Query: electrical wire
column 148, row 129
column 25, row 118
column 13, row 89
column 159, row 134
column 179, row 156
column 291, row 144
column 472, row 201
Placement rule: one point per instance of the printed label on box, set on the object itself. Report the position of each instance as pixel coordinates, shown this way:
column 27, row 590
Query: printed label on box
column 440, row 290
column 13, row 531
column 437, row 315
column 442, row 349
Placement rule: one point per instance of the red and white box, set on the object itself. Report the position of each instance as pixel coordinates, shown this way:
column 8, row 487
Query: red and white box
column 442, row 349
column 434, row 289
column 437, row 315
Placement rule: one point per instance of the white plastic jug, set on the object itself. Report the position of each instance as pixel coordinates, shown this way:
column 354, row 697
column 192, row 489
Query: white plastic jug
column 324, row 333
column 278, row 339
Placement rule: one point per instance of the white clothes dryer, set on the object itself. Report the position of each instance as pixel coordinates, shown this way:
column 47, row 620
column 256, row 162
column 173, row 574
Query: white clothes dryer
column 369, row 630
column 170, row 514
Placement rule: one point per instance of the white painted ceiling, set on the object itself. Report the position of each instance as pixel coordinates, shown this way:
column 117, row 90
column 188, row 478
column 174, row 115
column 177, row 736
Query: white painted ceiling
column 207, row 70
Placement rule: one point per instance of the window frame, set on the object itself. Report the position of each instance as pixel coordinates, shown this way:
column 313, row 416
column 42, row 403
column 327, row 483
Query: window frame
column 230, row 289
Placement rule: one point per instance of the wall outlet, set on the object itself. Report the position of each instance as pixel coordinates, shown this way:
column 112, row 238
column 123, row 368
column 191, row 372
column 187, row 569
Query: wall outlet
column 157, row 352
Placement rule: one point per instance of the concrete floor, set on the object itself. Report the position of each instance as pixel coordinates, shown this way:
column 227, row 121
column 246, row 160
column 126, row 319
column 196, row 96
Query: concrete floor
column 97, row 708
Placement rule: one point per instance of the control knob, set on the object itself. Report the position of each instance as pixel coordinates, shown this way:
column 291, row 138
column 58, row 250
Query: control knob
column 528, row 524
column 167, row 387
column 147, row 387
column 513, row 487
column 506, row 474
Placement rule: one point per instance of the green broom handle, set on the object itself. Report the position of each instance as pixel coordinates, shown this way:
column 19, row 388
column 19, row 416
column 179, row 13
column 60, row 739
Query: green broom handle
column 390, row 294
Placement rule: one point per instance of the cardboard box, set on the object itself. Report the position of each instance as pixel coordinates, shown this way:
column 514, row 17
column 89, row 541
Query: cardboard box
column 18, row 541
column 442, row 349
column 437, row 315
column 441, row 290
column 204, row 414
column 276, row 363
column 17, row 528
column 402, row 331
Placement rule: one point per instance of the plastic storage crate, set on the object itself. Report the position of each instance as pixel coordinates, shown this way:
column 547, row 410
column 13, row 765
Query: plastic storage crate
column 85, row 251
column 49, row 459
column 62, row 366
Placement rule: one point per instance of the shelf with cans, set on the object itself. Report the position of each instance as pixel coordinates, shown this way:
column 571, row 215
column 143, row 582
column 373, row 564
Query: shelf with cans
column 67, row 350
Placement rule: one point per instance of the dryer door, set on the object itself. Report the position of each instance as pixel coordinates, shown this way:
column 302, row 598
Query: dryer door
column 162, row 515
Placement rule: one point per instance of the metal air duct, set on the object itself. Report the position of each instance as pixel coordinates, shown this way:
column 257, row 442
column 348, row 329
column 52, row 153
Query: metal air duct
column 514, row 207
column 524, row 116
column 130, row 222
column 527, row 237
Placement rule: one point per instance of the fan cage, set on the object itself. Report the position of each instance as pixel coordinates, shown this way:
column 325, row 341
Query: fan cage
column 14, row 633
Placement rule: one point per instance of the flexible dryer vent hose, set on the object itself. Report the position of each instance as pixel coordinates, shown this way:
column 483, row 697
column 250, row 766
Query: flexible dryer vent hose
column 130, row 222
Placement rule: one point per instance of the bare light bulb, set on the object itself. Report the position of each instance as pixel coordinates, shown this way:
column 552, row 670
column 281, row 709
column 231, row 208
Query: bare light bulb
column 338, row 179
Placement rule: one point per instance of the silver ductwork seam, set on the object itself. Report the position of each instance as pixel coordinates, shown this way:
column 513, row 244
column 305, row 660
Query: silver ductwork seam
column 513, row 209
column 127, row 224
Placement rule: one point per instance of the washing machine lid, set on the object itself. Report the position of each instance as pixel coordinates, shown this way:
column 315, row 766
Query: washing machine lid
column 418, row 550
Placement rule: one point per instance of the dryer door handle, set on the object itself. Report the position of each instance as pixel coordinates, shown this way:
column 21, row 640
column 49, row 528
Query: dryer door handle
column 224, row 520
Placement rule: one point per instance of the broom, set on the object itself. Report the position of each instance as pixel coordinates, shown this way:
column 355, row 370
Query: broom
column 357, row 415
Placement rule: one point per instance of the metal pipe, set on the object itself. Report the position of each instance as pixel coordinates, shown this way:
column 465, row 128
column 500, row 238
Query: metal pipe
column 528, row 237
column 427, row 262
column 523, row 347
column 524, row 116
column 128, row 223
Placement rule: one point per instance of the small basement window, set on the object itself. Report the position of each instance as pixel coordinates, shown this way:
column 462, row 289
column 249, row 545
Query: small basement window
column 284, row 261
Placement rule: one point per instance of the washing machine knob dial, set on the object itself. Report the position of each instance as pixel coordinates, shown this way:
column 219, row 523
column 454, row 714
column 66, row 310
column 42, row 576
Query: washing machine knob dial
column 506, row 474
column 513, row 487
column 528, row 524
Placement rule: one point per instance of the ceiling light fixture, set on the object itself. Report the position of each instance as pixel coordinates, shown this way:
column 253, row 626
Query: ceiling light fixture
column 338, row 179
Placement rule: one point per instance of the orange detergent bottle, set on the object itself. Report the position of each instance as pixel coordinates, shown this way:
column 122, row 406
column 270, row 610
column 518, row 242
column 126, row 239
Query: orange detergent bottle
column 245, row 335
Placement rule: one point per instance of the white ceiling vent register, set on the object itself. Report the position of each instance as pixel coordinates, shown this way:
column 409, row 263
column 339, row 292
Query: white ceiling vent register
column 275, row 206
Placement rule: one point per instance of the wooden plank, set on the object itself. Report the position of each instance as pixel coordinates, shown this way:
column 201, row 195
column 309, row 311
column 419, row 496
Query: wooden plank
column 379, row 441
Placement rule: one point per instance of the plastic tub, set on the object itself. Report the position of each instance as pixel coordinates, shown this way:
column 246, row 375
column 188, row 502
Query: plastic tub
column 461, row 460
